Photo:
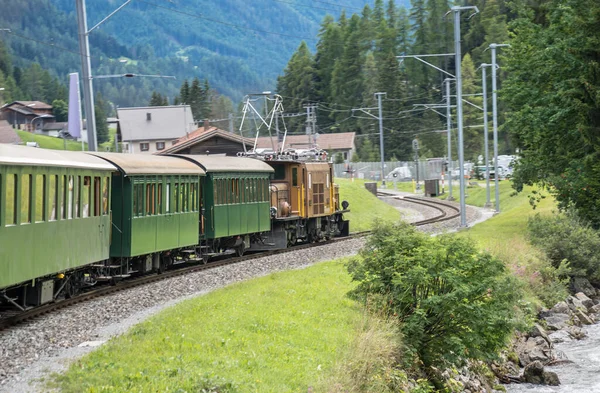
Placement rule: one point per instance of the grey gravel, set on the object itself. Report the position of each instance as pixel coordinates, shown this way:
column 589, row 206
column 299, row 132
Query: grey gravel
column 31, row 351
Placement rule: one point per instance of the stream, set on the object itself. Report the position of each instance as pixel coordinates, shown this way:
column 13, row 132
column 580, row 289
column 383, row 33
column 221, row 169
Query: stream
column 581, row 376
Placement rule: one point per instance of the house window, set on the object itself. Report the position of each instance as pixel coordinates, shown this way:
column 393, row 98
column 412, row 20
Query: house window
column 148, row 116
column 144, row 146
column 345, row 155
column 160, row 145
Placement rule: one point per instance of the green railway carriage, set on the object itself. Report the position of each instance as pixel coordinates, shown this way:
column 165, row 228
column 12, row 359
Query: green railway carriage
column 236, row 199
column 156, row 204
column 54, row 217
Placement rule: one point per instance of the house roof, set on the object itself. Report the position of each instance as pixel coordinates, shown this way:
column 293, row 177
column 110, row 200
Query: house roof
column 202, row 134
column 339, row 141
column 29, row 104
column 155, row 122
column 7, row 134
column 55, row 126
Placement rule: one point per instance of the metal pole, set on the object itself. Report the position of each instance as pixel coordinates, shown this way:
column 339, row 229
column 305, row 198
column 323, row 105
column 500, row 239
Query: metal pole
column 449, row 126
column 86, row 74
column 488, row 203
column 231, row 123
column 495, row 122
column 459, row 114
column 381, row 150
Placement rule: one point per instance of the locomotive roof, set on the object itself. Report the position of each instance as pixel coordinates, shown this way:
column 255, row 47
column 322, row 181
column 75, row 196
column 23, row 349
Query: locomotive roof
column 25, row 155
column 227, row 164
column 146, row 164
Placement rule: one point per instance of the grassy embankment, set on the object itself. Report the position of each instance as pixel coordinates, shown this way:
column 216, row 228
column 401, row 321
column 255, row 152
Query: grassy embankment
column 50, row 142
column 280, row 333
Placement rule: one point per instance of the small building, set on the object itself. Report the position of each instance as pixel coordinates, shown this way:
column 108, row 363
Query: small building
column 342, row 143
column 8, row 134
column 153, row 129
column 27, row 115
column 210, row 140
column 55, row 129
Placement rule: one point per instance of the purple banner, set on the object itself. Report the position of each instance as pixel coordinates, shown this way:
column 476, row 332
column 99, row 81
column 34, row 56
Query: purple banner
column 74, row 106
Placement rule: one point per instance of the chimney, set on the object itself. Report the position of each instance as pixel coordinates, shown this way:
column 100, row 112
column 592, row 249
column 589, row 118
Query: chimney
column 206, row 124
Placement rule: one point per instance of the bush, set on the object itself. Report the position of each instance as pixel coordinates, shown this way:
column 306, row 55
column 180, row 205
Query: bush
column 453, row 302
column 565, row 237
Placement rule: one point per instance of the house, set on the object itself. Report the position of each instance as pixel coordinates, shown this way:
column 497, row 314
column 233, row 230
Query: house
column 342, row 143
column 8, row 134
column 55, row 129
column 27, row 115
column 210, row 140
column 150, row 130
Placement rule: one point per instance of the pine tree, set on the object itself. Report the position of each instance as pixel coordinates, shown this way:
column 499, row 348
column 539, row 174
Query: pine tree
column 184, row 93
column 418, row 72
column 329, row 49
column 472, row 117
column 102, row 134
column 195, row 99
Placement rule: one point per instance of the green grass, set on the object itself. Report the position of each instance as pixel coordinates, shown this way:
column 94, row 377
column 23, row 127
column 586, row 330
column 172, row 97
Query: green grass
column 365, row 207
column 280, row 333
column 515, row 210
column 49, row 142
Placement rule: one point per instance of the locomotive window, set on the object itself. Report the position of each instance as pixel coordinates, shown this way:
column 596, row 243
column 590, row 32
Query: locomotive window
column 11, row 200
column 105, row 186
column 26, row 199
column 97, row 187
column 53, row 196
column 279, row 172
column 310, row 180
column 40, row 198
column 295, row 177
column 86, row 196
column 327, row 184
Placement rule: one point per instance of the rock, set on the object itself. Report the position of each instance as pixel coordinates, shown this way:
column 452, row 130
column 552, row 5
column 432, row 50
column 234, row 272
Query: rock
column 574, row 303
column 576, row 332
column 560, row 308
column 580, row 284
column 550, row 378
column 534, row 373
column 586, row 301
column 595, row 309
column 534, row 349
column 584, row 318
column 557, row 321
column 538, row 331
column 559, row 336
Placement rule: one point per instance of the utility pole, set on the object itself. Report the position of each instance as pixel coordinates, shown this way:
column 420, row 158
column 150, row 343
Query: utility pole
column 230, row 118
column 495, row 120
column 381, row 150
column 86, row 68
column 488, row 203
column 311, row 124
column 461, row 159
column 449, row 127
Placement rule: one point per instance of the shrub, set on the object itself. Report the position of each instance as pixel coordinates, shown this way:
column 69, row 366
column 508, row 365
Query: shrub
column 565, row 237
column 453, row 302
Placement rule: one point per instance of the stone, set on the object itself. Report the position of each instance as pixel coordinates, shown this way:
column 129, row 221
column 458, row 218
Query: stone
column 560, row 336
column 560, row 308
column 584, row 318
column 557, row 321
column 550, row 378
column 576, row 332
column 595, row 309
column 534, row 349
column 538, row 331
column 574, row 303
column 586, row 301
column 581, row 284
column 534, row 373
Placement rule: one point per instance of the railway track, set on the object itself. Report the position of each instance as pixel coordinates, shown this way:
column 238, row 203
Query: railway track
column 13, row 318
column 10, row 319
column 445, row 210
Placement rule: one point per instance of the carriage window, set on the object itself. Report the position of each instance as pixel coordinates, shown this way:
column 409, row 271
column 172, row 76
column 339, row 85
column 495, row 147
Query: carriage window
column 149, row 199
column 97, row 186
column 70, row 197
column 242, row 191
column 11, row 200
column 105, row 196
column 26, row 199
column 168, row 198
column 40, row 198
column 176, row 203
column 53, row 196
column 86, row 196
column 159, row 205
column 194, row 193
column 184, row 197
column 77, row 190
column 65, row 194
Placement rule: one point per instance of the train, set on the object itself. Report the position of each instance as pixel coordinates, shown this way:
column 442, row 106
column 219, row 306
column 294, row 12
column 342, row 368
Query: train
column 72, row 220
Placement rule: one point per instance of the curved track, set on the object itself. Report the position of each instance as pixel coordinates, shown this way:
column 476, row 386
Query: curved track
column 16, row 318
column 446, row 210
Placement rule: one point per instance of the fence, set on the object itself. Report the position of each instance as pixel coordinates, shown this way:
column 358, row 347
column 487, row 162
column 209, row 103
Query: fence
column 405, row 170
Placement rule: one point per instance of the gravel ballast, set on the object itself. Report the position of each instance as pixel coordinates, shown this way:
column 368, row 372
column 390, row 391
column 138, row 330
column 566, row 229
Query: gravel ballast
column 50, row 343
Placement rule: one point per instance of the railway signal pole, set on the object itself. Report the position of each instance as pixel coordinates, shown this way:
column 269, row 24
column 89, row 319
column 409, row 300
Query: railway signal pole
column 486, row 143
